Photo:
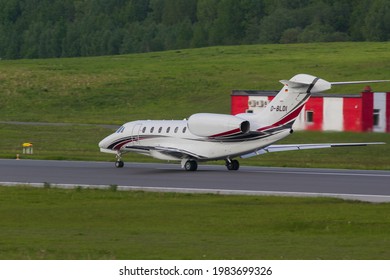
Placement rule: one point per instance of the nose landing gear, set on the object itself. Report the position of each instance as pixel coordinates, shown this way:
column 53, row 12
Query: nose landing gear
column 119, row 163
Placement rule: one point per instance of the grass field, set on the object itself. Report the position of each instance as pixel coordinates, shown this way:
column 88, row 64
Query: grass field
column 173, row 84
column 106, row 224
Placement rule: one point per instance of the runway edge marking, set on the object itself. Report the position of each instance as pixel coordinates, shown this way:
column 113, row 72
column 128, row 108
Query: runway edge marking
column 360, row 197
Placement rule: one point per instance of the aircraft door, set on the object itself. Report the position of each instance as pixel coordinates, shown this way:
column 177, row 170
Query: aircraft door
column 135, row 133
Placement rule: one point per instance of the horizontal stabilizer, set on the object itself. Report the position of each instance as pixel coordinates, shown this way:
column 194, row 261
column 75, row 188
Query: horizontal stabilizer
column 358, row 82
column 293, row 84
column 295, row 147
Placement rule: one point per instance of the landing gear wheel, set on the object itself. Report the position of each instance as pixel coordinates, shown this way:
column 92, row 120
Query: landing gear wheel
column 119, row 163
column 191, row 165
column 233, row 165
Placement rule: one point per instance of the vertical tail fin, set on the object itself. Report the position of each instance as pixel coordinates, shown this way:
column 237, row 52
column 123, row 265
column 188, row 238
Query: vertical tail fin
column 283, row 110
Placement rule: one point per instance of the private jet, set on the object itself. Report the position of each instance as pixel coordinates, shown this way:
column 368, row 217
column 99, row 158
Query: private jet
column 207, row 137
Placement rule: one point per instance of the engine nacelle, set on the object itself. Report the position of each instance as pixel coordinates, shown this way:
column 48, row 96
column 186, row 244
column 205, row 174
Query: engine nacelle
column 217, row 125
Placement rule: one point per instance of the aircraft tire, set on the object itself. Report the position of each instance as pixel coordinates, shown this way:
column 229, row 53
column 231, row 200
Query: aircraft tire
column 119, row 164
column 233, row 165
column 191, row 165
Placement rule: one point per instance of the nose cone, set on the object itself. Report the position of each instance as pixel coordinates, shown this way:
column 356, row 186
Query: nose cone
column 102, row 144
column 105, row 143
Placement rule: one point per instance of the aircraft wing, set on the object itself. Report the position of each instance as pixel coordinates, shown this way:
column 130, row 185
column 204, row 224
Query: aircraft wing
column 176, row 153
column 294, row 147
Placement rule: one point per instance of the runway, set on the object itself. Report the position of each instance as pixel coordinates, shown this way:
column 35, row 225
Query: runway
column 365, row 185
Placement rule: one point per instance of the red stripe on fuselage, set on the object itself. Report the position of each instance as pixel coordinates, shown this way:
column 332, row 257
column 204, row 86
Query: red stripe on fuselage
column 120, row 145
column 285, row 120
column 233, row 131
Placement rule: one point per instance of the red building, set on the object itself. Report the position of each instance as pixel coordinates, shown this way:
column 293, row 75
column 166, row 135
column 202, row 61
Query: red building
column 368, row 111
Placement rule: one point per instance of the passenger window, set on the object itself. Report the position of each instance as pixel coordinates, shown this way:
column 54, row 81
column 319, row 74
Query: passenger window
column 152, row 129
column 184, row 129
column 159, row 130
column 144, row 129
column 168, row 129
column 176, row 129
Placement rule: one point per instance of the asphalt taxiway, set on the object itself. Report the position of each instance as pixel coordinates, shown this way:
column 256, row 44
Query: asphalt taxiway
column 366, row 185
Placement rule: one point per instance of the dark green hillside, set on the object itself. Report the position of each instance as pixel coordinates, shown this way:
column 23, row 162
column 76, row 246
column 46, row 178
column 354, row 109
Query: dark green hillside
column 71, row 28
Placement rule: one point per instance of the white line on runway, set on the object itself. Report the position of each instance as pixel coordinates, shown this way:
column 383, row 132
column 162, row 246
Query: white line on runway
column 262, row 170
column 360, row 197
column 319, row 173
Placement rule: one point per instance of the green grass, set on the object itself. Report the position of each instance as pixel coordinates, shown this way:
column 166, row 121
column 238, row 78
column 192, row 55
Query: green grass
column 105, row 224
column 173, row 84
column 73, row 142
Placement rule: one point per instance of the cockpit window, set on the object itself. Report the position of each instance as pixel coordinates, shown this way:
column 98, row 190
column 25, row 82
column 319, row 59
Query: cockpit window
column 121, row 129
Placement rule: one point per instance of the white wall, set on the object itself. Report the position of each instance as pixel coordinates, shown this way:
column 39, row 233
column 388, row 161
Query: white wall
column 380, row 103
column 333, row 114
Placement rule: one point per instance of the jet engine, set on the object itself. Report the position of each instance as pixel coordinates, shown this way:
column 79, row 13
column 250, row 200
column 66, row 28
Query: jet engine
column 217, row 125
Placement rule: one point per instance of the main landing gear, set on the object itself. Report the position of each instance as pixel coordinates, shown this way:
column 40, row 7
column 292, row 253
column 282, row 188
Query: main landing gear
column 119, row 163
column 192, row 165
column 232, row 164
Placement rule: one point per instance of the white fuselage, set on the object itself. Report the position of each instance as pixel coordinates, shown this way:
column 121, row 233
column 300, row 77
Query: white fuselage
column 146, row 136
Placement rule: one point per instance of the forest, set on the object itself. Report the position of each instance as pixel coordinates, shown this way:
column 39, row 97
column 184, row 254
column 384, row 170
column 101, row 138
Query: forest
column 73, row 28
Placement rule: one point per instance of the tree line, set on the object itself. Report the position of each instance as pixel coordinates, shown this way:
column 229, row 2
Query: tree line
column 72, row 28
